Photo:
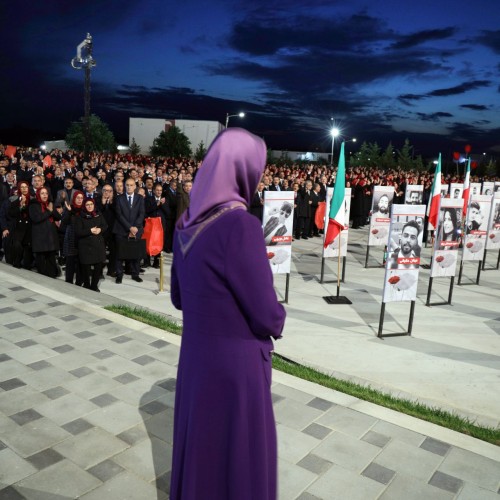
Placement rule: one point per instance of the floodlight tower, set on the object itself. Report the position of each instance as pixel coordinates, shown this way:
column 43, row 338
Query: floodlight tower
column 84, row 60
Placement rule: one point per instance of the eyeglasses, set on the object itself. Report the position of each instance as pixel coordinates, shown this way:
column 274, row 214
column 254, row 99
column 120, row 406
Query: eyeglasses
column 285, row 213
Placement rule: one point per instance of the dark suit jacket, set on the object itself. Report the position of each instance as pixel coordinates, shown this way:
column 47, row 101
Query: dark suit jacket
column 127, row 217
column 256, row 208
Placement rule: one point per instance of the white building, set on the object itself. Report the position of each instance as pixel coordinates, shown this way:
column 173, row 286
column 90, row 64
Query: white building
column 145, row 130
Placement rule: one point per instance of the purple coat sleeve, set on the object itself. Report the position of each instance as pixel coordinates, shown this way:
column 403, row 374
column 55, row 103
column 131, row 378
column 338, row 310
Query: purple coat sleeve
column 250, row 279
column 175, row 292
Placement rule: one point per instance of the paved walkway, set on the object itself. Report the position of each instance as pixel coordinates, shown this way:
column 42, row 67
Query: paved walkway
column 86, row 407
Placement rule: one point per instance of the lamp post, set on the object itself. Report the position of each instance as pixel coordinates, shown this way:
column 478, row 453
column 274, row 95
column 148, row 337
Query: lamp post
column 335, row 133
column 241, row 115
column 84, row 60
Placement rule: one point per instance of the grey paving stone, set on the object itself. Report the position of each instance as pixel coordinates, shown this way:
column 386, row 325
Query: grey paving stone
column 49, row 329
column 90, row 447
column 81, row 372
column 69, row 317
column 36, row 314
column 59, row 481
column 473, row 492
column 125, row 485
column 63, row 348
column 101, row 322
column 56, row 392
column 471, row 467
column 105, row 470
column 378, row 473
column 293, row 445
column 143, row 360
column 104, row 400
column 26, row 300
column 92, row 385
column 134, row 435
column 13, row 326
column 104, row 354
column 153, row 407
column 116, row 418
column 66, row 408
column 168, row 385
column 347, row 421
column 10, row 493
column 11, row 384
column 294, row 414
column 292, row 479
column 4, row 357
column 276, row 398
column 21, row 399
column 45, row 458
column 162, row 482
column 307, row 496
column 39, row 365
column 13, row 468
column 435, row 446
column 122, row 339
column 347, row 451
column 2, row 446
column 162, row 426
column 315, row 464
column 375, row 438
column 55, row 303
column 126, row 378
column 316, row 430
column 446, row 482
column 148, row 459
column 85, row 334
column 399, row 433
column 25, row 416
column 408, row 459
column 6, row 310
column 320, row 404
column 25, row 343
column 16, row 288
column 158, row 344
column 410, row 488
column 77, row 426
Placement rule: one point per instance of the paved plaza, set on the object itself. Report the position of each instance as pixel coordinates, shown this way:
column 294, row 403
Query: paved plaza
column 87, row 396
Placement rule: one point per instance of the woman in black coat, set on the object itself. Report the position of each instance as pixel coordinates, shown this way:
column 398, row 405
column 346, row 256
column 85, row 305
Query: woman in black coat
column 89, row 229
column 21, row 254
column 44, row 237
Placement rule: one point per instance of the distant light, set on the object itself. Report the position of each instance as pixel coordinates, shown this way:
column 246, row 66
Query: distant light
column 122, row 148
column 435, row 162
column 241, row 115
column 354, row 139
column 335, row 132
column 43, row 147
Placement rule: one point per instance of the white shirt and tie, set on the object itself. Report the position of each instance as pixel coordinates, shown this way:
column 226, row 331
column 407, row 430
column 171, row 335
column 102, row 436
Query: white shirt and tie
column 130, row 200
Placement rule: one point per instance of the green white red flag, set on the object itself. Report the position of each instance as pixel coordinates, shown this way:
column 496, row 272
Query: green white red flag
column 433, row 206
column 336, row 216
column 466, row 191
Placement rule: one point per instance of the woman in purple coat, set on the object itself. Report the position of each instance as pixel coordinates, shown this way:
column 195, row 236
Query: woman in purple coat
column 224, row 429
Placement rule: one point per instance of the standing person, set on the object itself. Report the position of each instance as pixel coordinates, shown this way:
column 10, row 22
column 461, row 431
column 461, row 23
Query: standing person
column 156, row 206
column 44, row 236
column 183, row 198
column 18, row 219
column 257, row 204
column 108, row 212
column 171, row 197
column 71, row 211
column 224, row 429
column 89, row 228
column 129, row 224
column 304, row 202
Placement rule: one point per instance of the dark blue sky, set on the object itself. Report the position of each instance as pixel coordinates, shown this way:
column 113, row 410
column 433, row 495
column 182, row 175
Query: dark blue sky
column 383, row 69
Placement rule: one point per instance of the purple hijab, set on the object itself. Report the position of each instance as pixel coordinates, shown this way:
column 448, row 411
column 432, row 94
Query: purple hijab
column 226, row 180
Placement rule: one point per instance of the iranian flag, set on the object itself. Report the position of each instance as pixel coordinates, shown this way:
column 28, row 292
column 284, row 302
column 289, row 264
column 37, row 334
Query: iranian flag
column 466, row 191
column 433, row 206
column 336, row 216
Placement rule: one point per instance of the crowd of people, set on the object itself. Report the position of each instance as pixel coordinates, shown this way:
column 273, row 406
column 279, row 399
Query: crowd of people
column 65, row 209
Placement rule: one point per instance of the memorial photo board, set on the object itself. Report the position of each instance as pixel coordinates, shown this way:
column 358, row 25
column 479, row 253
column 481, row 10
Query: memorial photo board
column 476, row 227
column 380, row 219
column 414, row 194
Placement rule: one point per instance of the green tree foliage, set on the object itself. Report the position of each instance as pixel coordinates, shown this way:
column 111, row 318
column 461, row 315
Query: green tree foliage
column 387, row 161
column 101, row 138
column 200, row 152
column 134, row 148
column 172, row 143
column 405, row 156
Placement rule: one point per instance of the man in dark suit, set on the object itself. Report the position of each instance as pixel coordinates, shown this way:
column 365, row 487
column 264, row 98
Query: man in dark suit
column 276, row 185
column 257, row 205
column 129, row 223
column 171, row 199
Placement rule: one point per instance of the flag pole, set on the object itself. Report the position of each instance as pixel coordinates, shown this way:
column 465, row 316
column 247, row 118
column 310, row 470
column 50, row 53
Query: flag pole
column 338, row 264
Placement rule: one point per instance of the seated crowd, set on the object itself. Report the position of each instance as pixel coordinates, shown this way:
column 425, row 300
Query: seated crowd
column 63, row 208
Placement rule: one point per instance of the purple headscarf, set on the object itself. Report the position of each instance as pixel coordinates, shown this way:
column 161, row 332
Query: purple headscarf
column 227, row 179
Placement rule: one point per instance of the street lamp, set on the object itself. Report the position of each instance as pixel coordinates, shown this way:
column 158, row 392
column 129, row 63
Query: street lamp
column 335, row 133
column 241, row 115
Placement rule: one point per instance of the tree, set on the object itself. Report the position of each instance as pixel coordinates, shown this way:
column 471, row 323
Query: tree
column 387, row 159
column 200, row 152
column 134, row 148
column 171, row 143
column 101, row 138
column 405, row 160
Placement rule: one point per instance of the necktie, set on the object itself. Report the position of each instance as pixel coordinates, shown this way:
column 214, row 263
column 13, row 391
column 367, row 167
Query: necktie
column 130, row 201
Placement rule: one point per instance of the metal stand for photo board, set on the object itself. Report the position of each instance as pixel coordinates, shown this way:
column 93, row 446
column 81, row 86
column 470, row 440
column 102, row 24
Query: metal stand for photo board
column 287, row 288
column 367, row 256
column 380, row 335
column 337, row 299
column 342, row 279
column 477, row 277
column 450, row 294
column 490, row 268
